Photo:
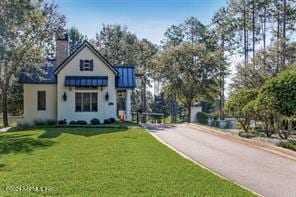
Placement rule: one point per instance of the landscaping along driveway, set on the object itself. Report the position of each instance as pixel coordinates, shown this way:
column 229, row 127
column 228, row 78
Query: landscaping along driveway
column 264, row 172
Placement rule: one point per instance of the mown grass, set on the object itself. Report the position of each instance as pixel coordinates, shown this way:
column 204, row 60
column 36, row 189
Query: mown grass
column 102, row 161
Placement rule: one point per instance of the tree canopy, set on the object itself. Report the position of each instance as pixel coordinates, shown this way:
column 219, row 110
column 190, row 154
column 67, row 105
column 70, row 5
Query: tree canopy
column 27, row 30
column 76, row 39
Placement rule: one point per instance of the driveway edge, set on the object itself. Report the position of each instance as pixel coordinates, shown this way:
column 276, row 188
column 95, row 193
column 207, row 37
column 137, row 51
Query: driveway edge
column 195, row 162
column 254, row 143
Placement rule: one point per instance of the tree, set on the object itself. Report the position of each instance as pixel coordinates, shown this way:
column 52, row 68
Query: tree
column 120, row 46
column 266, row 115
column 262, row 68
column 224, row 28
column 117, row 44
column 282, row 88
column 240, row 106
column 26, row 30
column 15, row 99
column 190, row 31
column 277, row 98
column 76, row 38
column 190, row 72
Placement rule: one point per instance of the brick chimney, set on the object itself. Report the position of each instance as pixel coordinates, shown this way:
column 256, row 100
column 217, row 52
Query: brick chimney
column 62, row 48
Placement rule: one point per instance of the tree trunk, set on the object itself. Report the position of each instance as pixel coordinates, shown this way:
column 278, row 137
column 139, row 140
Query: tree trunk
column 264, row 34
column 245, row 33
column 174, row 109
column 284, row 34
column 4, row 107
column 144, row 103
column 189, row 113
column 278, row 42
column 253, row 23
column 222, row 82
column 264, row 29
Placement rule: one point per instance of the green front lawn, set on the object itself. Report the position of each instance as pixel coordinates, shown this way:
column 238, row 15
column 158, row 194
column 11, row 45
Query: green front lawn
column 89, row 161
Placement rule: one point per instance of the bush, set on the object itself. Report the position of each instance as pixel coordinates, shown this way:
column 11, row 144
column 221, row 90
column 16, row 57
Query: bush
column 291, row 144
column 202, row 118
column 95, row 121
column 62, row 122
column 23, row 125
column 107, row 121
column 81, row 122
column 51, row 122
column 72, row 122
column 40, row 123
column 241, row 106
column 112, row 120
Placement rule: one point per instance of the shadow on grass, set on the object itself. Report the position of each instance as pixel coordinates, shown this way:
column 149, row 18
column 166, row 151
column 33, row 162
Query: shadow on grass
column 87, row 132
column 18, row 143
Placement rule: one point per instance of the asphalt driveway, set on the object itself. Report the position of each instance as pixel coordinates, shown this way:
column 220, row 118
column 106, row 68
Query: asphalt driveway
column 263, row 172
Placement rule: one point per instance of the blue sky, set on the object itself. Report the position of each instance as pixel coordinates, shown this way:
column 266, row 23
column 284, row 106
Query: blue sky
column 146, row 18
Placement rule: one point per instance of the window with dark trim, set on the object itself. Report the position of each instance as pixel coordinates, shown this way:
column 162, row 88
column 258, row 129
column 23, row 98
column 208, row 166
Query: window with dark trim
column 41, row 100
column 86, row 102
column 86, row 65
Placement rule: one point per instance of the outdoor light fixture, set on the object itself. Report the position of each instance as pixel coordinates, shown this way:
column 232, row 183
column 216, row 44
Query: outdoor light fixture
column 107, row 96
column 65, row 96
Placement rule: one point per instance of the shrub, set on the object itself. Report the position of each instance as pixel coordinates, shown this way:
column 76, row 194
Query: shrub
column 241, row 106
column 107, row 121
column 95, row 121
column 202, row 118
column 282, row 88
column 291, row 144
column 40, row 122
column 72, row 122
column 62, row 122
column 81, row 122
column 51, row 122
column 112, row 120
column 23, row 125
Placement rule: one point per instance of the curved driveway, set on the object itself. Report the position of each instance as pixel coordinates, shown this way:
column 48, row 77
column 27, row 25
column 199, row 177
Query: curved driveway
column 263, row 172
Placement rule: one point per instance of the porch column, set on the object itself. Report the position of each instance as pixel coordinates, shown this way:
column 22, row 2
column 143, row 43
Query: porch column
column 128, row 106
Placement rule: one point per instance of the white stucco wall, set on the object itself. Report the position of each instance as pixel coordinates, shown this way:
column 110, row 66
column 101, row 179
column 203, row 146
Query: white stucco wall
column 194, row 111
column 66, row 109
column 30, row 102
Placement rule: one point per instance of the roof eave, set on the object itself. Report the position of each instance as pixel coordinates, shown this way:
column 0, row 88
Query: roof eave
column 84, row 44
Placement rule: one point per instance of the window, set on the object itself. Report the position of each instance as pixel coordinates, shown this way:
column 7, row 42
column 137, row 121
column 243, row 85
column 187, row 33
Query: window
column 86, row 102
column 41, row 100
column 86, row 65
column 94, row 102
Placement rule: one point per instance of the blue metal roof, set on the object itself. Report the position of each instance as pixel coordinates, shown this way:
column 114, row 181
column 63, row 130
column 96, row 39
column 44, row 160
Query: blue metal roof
column 43, row 75
column 86, row 81
column 126, row 77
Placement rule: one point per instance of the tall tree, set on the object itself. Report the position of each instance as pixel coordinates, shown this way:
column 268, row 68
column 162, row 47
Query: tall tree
column 76, row 39
column 191, row 31
column 26, row 30
column 224, row 28
column 120, row 46
column 197, row 70
column 117, row 44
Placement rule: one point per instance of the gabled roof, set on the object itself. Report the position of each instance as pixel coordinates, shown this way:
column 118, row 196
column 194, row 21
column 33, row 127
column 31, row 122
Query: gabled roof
column 85, row 44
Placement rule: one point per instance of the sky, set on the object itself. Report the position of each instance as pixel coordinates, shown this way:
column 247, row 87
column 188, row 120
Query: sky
column 146, row 18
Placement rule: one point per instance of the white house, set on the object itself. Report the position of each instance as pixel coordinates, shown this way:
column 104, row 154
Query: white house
column 81, row 86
